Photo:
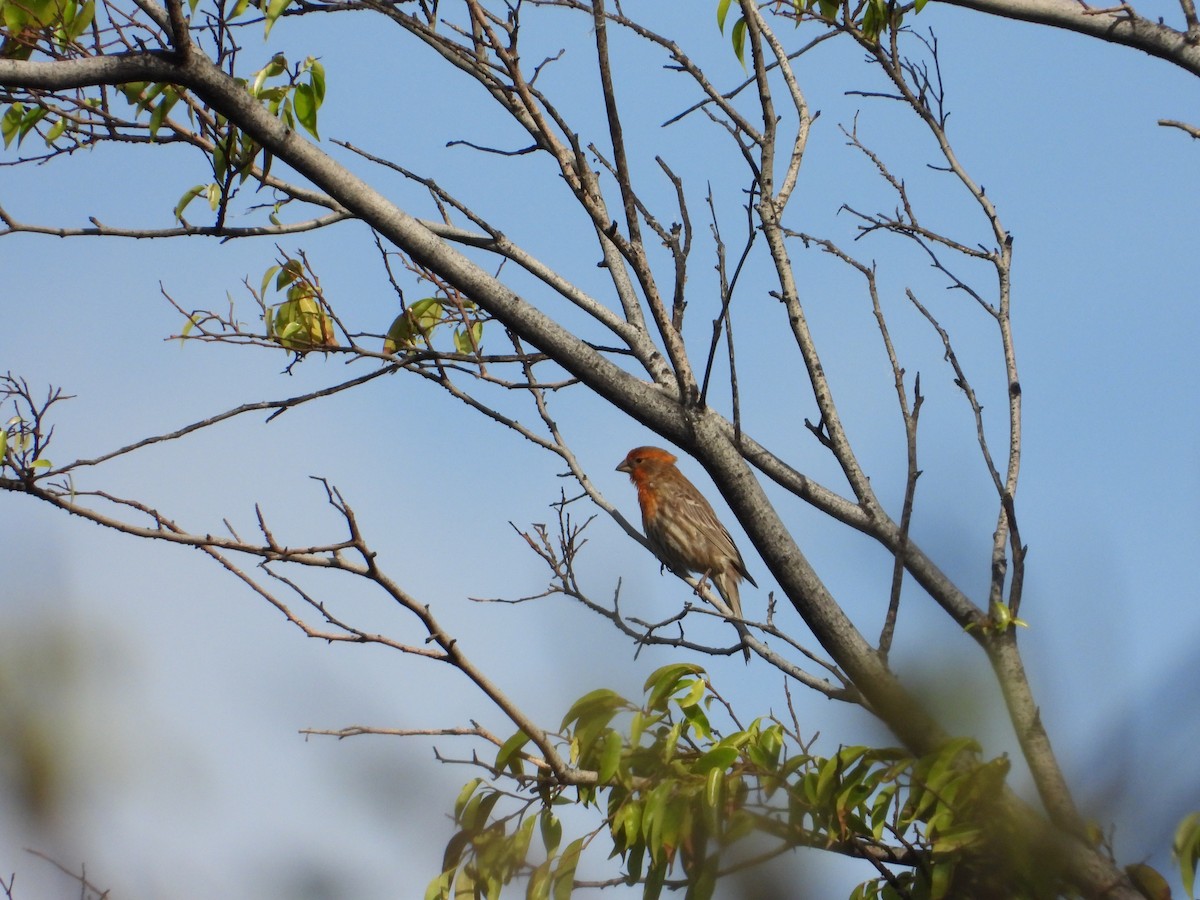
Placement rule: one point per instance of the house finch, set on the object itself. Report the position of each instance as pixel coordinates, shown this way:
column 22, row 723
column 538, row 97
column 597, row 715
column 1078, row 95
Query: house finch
column 682, row 528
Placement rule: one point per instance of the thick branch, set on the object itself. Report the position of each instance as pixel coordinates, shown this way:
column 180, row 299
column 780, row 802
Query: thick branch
column 1120, row 26
column 646, row 403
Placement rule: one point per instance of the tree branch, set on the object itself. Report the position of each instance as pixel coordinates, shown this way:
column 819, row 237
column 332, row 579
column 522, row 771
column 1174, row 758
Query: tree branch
column 1121, row 26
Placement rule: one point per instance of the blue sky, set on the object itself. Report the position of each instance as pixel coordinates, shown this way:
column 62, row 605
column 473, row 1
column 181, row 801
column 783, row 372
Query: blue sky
column 174, row 698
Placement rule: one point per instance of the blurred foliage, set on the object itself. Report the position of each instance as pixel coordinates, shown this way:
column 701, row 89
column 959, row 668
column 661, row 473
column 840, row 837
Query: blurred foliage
column 55, row 23
column 1186, row 849
column 679, row 799
column 39, row 676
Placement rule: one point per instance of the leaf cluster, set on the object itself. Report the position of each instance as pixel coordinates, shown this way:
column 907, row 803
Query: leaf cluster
column 26, row 435
column 870, row 18
column 683, row 803
column 26, row 22
column 303, row 321
column 415, row 326
column 235, row 155
column 17, row 435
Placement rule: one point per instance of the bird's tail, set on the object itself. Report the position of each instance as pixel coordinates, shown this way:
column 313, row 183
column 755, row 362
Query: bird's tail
column 727, row 586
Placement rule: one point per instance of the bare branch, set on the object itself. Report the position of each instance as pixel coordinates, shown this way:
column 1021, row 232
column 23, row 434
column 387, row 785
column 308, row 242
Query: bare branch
column 1182, row 126
column 1116, row 25
column 87, row 890
column 99, row 229
column 275, row 406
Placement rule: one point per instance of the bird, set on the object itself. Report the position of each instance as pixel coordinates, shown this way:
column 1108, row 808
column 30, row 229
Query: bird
column 682, row 529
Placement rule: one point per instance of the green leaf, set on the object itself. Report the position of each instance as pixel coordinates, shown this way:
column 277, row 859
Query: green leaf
column 248, row 151
column 3, row 444
column 738, row 36
column 439, row 888
column 31, row 119
column 764, row 752
column 273, row 10
column 713, row 785
column 637, row 726
column 518, row 846
column 41, row 464
column 941, row 879
column 956, row 838
column 305, row 103
column 720, row 758
column 267, row 276
column 466, row 886
column 399, row 334
column 881, row 808
column 170, row 98
column 191, row 323
column 539, row 883
column 79, row 20
column 599, row 701
column 132, row 90
column 672, row 824
column 830, row 773
column 551, row 831
column 316, row 78
column 652, row 812
column 462, row 343
column 696, row 717
column 875, row 20
column 289, row 272
column 508, row 752
column 564, row 875
column 655, row 879
column 276, row 67
column 627, row 827
column 610, row 757
column 1186, row 850
column 465, row 795
column 55, row 132
column 11, row 122
column 670, row 742
column 220, row 160
column 695, row 691
column 478, row 810
column 704, row 882
column 426, row 314
column 467, row 341
column 662, row 682
column 15, row 17
column 722, row 12
column 148, row 96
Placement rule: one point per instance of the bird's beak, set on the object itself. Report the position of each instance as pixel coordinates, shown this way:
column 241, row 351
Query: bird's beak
column 624, row 467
